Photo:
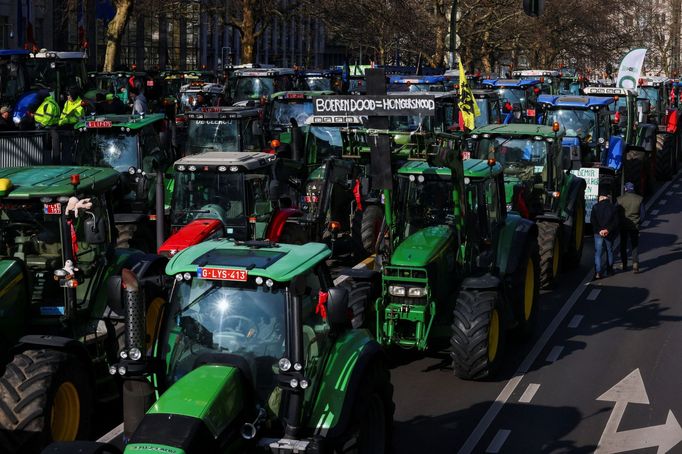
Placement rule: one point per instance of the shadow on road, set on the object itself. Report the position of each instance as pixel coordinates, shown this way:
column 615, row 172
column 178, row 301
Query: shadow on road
column 428, row 434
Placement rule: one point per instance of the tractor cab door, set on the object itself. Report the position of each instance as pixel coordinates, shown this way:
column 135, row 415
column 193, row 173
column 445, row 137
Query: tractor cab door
column 258, row 204
column 486, row 213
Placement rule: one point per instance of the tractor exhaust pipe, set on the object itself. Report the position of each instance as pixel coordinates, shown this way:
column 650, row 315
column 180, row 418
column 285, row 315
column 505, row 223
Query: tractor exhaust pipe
column 160, row 210
column 137, row 391
column 250, row 429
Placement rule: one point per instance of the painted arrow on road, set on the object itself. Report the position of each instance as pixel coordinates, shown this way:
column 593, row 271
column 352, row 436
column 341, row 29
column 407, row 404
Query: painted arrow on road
column 631, row 390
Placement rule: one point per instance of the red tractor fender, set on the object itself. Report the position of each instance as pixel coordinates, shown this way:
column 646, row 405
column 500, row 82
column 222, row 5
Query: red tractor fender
column 278, row 220
column 193, row 233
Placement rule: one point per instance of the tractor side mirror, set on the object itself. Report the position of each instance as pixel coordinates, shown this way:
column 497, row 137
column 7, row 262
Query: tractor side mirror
column 337, row 309
column 95, row 230
column 115, row 294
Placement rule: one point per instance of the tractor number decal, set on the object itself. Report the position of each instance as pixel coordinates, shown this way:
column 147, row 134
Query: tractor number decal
column 222, row 274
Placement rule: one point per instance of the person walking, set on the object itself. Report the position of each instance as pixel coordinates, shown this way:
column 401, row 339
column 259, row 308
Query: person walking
column 604, row 220
column 631, row 211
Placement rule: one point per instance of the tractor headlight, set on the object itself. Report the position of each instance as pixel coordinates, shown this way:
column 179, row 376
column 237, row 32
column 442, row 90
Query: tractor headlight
column 135, row 354
column 396, row 290
column 416, row 292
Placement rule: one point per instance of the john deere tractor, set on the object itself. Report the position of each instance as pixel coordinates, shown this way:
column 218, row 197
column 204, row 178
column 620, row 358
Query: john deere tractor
column 256, row 353
column 59, row 332
column 538, row 187
column 458, row 268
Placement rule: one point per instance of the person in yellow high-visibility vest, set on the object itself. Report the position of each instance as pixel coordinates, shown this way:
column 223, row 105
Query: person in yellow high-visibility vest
column 47, row 114
column 73, row 109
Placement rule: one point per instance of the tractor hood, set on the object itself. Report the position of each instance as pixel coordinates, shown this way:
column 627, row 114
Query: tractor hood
column 420, row 248
column 193, row 233
column 204, row 403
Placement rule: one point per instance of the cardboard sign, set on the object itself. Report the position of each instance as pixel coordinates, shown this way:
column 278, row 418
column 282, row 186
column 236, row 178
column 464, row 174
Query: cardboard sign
column 591, row 176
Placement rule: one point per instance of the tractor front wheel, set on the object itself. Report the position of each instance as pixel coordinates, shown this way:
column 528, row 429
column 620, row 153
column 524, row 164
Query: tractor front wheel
column 478, row 334
column 549, row 244
column 45, row 396
column 359, row 302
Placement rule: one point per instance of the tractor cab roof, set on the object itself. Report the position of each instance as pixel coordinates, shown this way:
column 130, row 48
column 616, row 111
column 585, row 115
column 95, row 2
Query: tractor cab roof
column 510, row 83
column 481, row 93
column 519, row 129
column 224, row 161
column 14, row 52
column 414, row 79
column 200, row 86
column 53, row 181
column 224, row 112
column 264, row 72
column 334, row 120
column 59, row 55
column 653, row 81
column 127, row 122
column 301, row 94
column 576, row 102
column 473, row 168
column 525, row 73
column 319, row 72
column 279, row 262
column 185, row 74
column 608, row 91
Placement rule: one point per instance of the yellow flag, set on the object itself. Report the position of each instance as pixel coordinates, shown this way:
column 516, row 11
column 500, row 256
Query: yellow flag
column 467, row 104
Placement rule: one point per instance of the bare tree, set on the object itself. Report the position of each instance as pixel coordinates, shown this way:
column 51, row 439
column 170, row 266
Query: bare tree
column 115, row 31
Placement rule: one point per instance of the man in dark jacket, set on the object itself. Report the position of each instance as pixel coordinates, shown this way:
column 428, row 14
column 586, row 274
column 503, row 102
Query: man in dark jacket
column 631, row 215
column 604, row 220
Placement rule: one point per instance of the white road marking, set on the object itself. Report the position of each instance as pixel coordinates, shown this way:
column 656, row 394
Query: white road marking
column 663, row 202
column 655, row 212
column 593, row 294
column 502, row 398
column 554, row 354
column 575, row 321
column 646, row 223
column 631, row 390
column 495, row 445
column 669, row 193
column 113, row 433
column 529, row 393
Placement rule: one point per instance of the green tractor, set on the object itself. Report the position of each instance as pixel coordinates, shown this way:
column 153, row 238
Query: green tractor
column 538, row 187
column 458, row 267
column 287, row 110
column 256, row 353
column 225, row 129
column 135, row 146
column 59, row 332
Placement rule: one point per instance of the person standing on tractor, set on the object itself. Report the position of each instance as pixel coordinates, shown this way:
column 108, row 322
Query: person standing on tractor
column 73, row 109
column 47, row 114
column 631, row 215
column 6, row 123
column 139, row 101
column 604, row 220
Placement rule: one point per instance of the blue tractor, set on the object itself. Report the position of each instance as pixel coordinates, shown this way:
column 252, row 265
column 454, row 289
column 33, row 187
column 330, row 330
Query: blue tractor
column 596, row 154
column 416, row 83
column 518, row 98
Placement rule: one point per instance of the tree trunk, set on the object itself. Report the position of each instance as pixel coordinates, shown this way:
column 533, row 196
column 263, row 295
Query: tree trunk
column 439, row 55
column 115, row 31
column 248, row 29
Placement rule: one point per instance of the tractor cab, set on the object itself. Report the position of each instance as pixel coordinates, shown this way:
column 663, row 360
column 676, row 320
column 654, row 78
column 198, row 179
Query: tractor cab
column 623, row 110
column 571, row 82
column 225, row 129
column 116, row 83
column 14, row 77
column 447, row 109
column 654, row 95
column 518, row 98
column 257, row 83
column 173, row 80
column 58, row 71
column 413, row 83
column 287, row 106
column 549, row 80
column 319, row 80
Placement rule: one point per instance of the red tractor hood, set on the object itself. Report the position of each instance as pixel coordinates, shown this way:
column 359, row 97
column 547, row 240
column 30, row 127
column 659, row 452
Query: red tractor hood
column 193, row 233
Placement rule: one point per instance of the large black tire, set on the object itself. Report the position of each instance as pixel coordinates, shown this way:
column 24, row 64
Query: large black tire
column 664, row 156
column 371, row 423
column 45, row 396
column 549, row 245
column 360, row 303
column 372, row 217
column 293, row 234
column 478, row 334
column 576, row 234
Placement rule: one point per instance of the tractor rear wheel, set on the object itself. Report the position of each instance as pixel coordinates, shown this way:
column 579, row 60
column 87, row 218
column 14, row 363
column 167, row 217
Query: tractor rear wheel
column 45, row 395
column 372, row 415
column 372, row 217
column 478, row 333
column 359, row 301
column 549, row 244
column 664, row 156
column 576, row 235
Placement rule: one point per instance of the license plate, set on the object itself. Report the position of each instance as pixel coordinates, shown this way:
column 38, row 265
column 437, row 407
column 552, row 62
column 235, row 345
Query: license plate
column 531, row 112
column 98, row 124
column 52, row 208
column 222, row 274
column 466, row 155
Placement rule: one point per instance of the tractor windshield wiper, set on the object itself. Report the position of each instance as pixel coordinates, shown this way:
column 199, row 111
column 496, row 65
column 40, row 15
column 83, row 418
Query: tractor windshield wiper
column 214, row 286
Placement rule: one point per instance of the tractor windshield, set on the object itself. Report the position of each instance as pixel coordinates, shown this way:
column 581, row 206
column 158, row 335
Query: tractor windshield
column 423, row 201
column 487, row 116
column 316, row 83
column 513, row 152
column 514, row 96
column 214, row 317
column 410, row 123
column 12, row 83
column 246, row 88
column 283, row 110
column 651, row 93
column 576, row 123
column 212, row 195
column 569, row 87
column 114, row 149
column 29, row 234
column 48, row 72
column 324, row 142
column 212, row 135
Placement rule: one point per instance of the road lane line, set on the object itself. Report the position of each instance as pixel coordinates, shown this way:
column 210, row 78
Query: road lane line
column 575, row 321
column 646, row 223
column 663, row 201
column 529, row 393
column 669, row 193
column 490, row 415
column 655, row 212
column 113, row 433
column 495, row 445
column 593, row 294
column 554, row 354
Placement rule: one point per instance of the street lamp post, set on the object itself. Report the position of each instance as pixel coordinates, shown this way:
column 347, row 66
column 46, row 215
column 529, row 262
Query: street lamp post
column 453, row 33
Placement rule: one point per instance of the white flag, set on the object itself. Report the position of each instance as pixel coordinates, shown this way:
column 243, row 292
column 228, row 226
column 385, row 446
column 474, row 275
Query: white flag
column 630, row 69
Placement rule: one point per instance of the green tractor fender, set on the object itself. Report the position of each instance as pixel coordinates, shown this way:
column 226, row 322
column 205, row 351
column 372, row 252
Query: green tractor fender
column 515, row 238
column 350, row 357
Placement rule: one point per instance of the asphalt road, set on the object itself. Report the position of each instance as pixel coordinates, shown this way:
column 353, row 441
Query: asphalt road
column 602, row 373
